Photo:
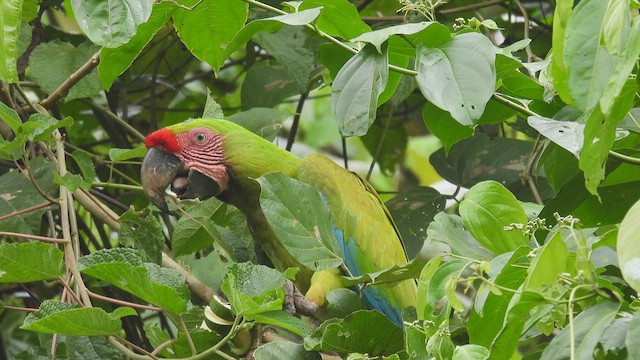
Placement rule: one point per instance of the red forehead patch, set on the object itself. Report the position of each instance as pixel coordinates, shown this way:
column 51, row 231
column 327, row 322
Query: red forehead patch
column 162, row 139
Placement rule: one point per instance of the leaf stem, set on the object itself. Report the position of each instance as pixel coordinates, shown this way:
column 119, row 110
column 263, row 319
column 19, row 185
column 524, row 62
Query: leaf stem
column 35, row 237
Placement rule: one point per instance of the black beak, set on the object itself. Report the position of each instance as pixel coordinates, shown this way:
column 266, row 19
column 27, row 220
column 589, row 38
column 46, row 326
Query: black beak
column 159, row 169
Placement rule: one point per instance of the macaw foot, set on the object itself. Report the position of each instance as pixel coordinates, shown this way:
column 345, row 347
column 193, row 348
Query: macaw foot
column 296, row 303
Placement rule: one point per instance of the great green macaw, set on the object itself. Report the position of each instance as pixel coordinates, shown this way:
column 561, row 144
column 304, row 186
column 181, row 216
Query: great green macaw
column 222, row 159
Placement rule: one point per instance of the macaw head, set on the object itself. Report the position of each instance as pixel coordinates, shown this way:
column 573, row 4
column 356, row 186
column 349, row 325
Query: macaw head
column 189, row 157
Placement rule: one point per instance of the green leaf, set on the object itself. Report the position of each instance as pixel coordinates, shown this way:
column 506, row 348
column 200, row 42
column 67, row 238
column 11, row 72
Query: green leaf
column 271, row 25
column 550, row 261
column 88, row 347
column 212, row 222
column 444, row 126
column 587, row 330
column 342, row 302
column 434, row 285
column 11, row 15
column 449, row 229
column 300, row 220
column 287, row 46
column 26, row 262
column 506, row 342
column 124, row 269
column 561, row 16
column 458, row 76
column 486, row 210
column 264, row 122
column 212, row 109
column 66, row 59
column 71, row 181
column 338, row 18
column 55, row 317
column 514, row 82
column 17, row 194
column 624, row 67
column 208, row 29
column 378, row 37
column 490, row 309
column 393, row 274
column 599, row 136
column 116, row 154
column 114, row 62
column 111, row 23
column 414, row 210
column 284, row 350
column 142, row 231
column 587, row 61
column 470, row 352
column 614, row 27
column 266, row 86
column 356, row 88
column 627, row 247
column 633, row 333
column 352, row 334
column 285, row 321
column 387, row 143
column 569, row 135
column 253, row 289
column 10, row 117
column 481, row 158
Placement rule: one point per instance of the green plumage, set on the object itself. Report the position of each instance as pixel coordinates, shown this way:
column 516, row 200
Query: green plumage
column 367, row 235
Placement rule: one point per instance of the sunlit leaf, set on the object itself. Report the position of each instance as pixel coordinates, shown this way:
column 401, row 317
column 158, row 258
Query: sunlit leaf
column 113, row 22
column 26, row 262
column 458, row 76
column 55, row 317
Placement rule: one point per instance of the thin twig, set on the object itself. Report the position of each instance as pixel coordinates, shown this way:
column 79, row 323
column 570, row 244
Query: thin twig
column 344, row 152
column 24, row 211
column 35, row 237
column 122, row 302
column 525, row 16
column 296, row 120
column 8, row 307
column 73, row 79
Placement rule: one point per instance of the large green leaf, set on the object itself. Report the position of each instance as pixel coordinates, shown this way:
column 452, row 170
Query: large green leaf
column 633, row 334
column 482, row 158
column 284, row 350
column 413, row 211
column 352, row 334
column 300, row 220
column 17, row 193
column 588, row 328
column 338, row 18
column 622, row 70
column 628, row 249
column 287, row 46
column 253, row 289
column 600, row 134
column 111, row 23
column 11, row 15
column 208, row 29
column 265, row 86
column 550, row 261
column 142, row 231
column 356, row 89
column 449, row 229
column 458, row 76
column 26, row 262
column 561, row 16
column 434, row 301
column 490, row 308
column 124, row 269
column 66, row 59
column 486, row 210
column 55, row 317
column 378, row 37
column 587, row 61
column 212, row 222
column 114, row 61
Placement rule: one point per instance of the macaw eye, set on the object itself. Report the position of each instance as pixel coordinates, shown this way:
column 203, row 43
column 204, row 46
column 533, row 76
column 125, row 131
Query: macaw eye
column 200, row 138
